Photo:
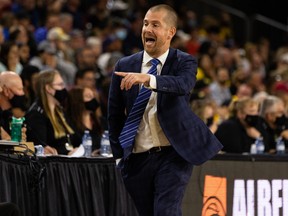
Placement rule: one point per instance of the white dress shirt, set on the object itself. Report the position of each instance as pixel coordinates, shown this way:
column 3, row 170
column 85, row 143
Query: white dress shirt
column 149, row 133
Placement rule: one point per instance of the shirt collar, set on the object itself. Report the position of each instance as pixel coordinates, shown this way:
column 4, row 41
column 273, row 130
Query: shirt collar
column 162, row 58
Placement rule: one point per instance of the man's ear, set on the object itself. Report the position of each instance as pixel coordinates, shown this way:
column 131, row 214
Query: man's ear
column 6, row 91
column 172, row 32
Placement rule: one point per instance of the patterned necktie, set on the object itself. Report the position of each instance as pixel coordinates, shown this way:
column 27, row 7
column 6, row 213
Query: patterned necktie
column 129, row 130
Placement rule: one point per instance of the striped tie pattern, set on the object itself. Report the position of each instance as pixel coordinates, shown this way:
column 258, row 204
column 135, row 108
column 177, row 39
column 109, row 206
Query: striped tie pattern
column 129, row 130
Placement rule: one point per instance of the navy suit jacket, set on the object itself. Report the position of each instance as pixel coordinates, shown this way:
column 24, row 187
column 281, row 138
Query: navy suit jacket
column 187, row 133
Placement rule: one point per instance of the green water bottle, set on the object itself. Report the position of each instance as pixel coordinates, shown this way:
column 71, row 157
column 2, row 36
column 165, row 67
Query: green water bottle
column 16, row 128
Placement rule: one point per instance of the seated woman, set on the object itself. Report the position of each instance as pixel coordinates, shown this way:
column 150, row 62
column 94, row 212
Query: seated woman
column 46, row 124
column 238, row 132
column 9, row 57
column 81, row 112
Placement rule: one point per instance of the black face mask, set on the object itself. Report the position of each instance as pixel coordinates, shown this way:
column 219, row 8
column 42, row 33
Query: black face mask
column 252, row 120
column 209, row 121
column 281, row 121
column 91, row 105
column 61, row 95
column 18, row 101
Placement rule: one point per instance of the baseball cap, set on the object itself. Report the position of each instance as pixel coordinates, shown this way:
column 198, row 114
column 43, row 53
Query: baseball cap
column 57, row 33
column 47, row 47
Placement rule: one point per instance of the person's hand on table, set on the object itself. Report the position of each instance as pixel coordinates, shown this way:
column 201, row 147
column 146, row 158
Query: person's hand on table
column 72, row 151
column 50, row 150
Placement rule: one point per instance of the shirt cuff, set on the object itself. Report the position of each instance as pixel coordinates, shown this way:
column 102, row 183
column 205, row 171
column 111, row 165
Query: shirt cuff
column 152, row 82
column 117, row 161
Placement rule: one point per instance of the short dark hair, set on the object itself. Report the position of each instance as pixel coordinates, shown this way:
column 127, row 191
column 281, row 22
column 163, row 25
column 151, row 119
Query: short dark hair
column 171, row 15
column 81, row 73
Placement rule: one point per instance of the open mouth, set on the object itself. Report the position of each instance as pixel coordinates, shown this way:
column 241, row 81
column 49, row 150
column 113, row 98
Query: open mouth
column 149, row 40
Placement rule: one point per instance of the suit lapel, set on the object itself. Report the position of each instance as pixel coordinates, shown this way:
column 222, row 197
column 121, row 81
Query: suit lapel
column 136, row 65
column 169, row 62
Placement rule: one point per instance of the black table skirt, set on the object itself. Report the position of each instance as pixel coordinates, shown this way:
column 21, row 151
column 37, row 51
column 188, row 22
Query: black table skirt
column 60, row 186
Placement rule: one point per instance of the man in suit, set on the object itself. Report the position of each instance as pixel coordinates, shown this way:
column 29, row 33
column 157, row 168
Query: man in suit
column 170, row 138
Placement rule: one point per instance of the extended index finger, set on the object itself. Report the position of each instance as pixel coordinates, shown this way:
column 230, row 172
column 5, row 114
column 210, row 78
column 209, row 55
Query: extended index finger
column 122, row 74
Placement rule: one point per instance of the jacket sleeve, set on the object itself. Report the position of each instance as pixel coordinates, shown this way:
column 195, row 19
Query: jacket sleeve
column 178, row 76
column 116, row 114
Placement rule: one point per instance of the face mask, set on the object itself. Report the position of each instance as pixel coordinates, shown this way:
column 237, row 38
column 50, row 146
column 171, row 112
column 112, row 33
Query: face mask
column 121, row 34
column 18, row 101
column 60, row 95
column 252, row 120
column 209, row 121
column 281, row 121
column 91, row 105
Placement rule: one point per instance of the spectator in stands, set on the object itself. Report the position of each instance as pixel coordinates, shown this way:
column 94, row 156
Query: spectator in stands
column 201, row 90
column 58, row 38
column 133, row 42
column 22, row 36
column 205, row 109
column 18, row 35
column 47, row 59
column 86, row 78
column 73, row 7
column 95, row 43
column 256, row 81
column 238, row 133
column 98, row 15
column 76, row 42
column 257, row 64
column 46, row 123
column 81, row 113
column 24, row 54
column 11, row 101
column 28, row 75
column 206, row 68
column 273, row 112
column 46, row 56
column 281, row 90
column 111, row 45
column 86, row 58
column 224, row 58
column 238, row 77
column 243, row 91
column 9, row 58
column 66, row 22
column 219, row 89
column 52, row 20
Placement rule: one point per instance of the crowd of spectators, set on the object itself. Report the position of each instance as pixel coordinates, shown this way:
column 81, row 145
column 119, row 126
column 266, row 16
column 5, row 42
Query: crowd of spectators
column 82, row 40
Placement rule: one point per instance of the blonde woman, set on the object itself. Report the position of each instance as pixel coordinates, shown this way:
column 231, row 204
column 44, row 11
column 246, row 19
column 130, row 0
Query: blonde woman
column 46, row 124
column 242, row 128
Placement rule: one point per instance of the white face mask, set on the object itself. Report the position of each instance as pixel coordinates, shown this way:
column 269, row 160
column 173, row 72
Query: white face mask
column 121, row 33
